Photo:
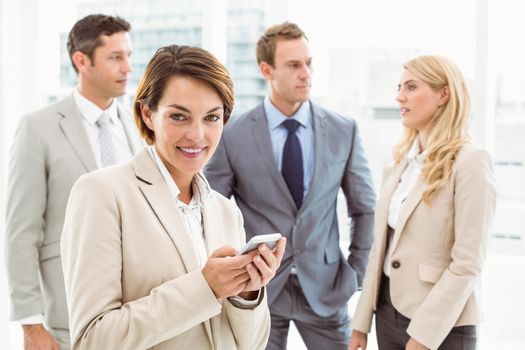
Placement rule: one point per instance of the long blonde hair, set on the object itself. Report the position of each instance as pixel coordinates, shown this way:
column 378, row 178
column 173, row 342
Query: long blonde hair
column 448, row 126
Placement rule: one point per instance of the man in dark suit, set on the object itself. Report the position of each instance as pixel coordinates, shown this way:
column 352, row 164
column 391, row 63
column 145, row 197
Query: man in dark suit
column 284, row 162
column 52, row 148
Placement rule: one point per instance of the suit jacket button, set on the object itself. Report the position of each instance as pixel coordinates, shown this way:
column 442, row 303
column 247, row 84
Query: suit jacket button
column 296, row 252
column 396, row 264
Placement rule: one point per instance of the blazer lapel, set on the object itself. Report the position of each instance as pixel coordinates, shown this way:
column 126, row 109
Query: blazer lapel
column 320, row 150
column 158, row 195
column 392, row 177
column 212, row 224
column 388, row 188
column 214, row 237
column 71, row 125
column 411, row 202
column 264, row 145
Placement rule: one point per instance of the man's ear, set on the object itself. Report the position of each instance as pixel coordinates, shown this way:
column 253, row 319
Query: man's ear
column 266, row 70
column 146, row 115
column 81, row 61
column 444, row 95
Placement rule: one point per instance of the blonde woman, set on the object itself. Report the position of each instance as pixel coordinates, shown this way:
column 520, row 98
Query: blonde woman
column 432, row 221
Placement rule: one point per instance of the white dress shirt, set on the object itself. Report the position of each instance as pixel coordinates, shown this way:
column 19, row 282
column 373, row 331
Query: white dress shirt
column 90, row 113
column 408, row 180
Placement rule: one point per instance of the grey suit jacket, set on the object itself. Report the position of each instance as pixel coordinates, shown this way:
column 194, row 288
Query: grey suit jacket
column 243, row 166
column 50, row 152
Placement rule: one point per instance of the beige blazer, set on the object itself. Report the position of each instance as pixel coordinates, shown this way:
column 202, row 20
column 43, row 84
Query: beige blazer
column 132, row 275
column 50, row 152
column 439, row 250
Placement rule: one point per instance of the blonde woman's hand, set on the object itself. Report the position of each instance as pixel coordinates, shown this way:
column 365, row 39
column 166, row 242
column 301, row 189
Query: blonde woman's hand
column 358, row 340
column 415, row 345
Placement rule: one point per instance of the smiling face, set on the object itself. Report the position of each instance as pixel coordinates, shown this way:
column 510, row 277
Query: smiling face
column 290, row 78
column 418, row 102
column 187, row 123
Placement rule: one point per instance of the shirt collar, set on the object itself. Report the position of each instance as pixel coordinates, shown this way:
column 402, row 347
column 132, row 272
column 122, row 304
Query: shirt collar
column 90, row 111
column 201, row 187
column 275, row 117
column 414, row 152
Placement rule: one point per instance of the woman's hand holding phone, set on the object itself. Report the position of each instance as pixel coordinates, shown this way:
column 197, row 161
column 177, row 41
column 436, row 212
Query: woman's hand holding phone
column 264, row 265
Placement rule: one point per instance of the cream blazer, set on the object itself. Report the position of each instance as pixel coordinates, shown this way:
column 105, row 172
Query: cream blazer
column 439, row 250
column 131, row 272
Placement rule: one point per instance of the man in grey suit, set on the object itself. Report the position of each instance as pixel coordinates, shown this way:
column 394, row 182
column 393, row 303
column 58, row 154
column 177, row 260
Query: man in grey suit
column 284, row 162
column 52, row 148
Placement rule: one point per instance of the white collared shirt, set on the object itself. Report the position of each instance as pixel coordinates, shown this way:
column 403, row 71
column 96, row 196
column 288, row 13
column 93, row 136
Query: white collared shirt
column 406, row 183
column 90, row 113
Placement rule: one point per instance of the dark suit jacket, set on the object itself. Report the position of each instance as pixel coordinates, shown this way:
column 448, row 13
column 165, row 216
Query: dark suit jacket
column 243, row 166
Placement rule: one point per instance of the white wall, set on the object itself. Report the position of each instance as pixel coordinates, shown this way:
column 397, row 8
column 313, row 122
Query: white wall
column 214, row 33
column 19, row 94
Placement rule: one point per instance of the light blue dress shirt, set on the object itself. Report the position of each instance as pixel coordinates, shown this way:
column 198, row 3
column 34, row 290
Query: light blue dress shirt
column 305, row 134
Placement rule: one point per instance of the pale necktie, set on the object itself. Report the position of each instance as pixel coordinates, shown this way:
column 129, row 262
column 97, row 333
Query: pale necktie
column 105, row 140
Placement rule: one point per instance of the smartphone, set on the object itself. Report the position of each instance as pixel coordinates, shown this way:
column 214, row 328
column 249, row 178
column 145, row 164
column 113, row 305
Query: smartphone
column 270, row 240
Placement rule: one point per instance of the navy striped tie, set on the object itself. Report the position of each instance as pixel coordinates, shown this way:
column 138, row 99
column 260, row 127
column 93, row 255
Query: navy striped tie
column 292, row 164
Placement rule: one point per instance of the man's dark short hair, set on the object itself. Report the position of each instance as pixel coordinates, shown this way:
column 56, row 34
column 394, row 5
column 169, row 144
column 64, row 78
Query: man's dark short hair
column 85, row 36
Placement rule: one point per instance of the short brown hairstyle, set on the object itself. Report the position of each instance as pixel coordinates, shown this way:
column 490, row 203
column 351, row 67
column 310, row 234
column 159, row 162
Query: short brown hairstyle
column 184, row 61
column 85, row 34
column 265, row 50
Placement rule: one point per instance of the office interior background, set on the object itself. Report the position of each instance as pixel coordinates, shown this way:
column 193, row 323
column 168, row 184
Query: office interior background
column 358, row 49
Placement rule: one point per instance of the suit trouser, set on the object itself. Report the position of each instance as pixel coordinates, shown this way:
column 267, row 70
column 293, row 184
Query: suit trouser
column 391, row 327
column 317, row 332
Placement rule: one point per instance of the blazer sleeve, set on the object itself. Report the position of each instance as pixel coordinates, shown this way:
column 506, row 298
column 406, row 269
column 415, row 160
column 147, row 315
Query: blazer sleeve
column 219, row 171
column 474, row 203
column 360, row 199
column 92, row 260
column 25, row 210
